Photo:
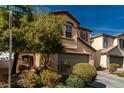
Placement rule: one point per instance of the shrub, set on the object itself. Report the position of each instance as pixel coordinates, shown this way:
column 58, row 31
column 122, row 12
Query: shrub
column 113, row 67
column 85, row 71
column 121, row 74
column 29, row 80
column 3, row 78
column 51, row 78
column 74, row 82
column 22, row 68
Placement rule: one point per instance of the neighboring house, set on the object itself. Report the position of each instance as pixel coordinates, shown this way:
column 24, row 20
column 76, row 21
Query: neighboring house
column 110, row 49
column 76, row 40
column 4, row 62
column 4, row 59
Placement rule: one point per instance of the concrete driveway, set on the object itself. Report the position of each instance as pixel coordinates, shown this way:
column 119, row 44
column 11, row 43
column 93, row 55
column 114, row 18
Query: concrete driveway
column 106, row 80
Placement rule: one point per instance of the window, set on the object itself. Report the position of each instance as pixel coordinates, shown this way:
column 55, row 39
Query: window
column 84, row 36
column 121, row 43
column 27, row 58
column 69, row 30
column 105, row 42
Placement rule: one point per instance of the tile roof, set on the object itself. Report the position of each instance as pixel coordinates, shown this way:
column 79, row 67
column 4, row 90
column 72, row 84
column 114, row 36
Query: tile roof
column 106, row 50
column 102, row 34
column 67, row 12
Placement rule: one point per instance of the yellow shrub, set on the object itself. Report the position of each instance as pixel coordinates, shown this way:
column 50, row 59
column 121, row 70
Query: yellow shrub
column 50, row 78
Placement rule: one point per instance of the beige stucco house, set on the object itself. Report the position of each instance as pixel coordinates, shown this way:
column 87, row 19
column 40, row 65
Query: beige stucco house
column 76, row 40
column 110, row 49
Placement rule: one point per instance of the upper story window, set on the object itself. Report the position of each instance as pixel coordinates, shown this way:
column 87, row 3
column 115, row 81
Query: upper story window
column 105, row 42
column 69, row 27
column 84, row 36
column 121, row 43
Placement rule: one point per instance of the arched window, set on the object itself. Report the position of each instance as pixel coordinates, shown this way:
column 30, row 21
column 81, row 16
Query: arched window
column 69, row 27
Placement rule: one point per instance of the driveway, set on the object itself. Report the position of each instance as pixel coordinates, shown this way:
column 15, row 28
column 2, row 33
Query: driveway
column 106, row 80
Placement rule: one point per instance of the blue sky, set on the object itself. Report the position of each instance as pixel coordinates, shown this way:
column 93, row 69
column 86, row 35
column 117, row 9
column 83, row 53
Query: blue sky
column 100, row 19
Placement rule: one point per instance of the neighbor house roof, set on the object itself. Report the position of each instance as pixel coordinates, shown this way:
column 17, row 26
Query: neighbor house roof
column 86, row 43
column 117, row 35
column 102, row 34
column 107, row 50
column 68, row 13
column 87, row 29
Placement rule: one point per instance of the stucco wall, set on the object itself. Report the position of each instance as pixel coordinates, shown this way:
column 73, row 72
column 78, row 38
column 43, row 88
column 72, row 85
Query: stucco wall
column 103, row 61
column 97, row 43
column 37, row 59
column 70, row 42
column 88, row 34
column 115, row 42
column 53, row 60
column 110, row 41
column 20, row 61
column 97, row 58
column 83, row 48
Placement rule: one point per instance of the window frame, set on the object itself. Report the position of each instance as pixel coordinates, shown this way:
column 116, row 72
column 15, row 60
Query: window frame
column 69, row 30
column 84, row 36
column 105, row 42
column 121, row 43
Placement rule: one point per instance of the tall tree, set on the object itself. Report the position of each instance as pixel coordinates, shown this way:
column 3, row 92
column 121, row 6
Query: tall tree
column 44, row 34
column 40, row 34
column 4, row 32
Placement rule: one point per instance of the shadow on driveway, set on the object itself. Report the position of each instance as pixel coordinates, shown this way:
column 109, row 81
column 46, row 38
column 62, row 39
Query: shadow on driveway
column 96, row 84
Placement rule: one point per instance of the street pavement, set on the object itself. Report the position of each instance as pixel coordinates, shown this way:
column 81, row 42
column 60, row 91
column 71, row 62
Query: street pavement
column 106, row 80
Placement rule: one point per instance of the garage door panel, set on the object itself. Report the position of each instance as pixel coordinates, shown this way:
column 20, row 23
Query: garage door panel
column 117, row 60
column 72, row 59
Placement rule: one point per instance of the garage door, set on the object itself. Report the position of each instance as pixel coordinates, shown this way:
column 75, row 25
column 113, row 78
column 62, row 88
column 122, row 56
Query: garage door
column 72, row 59
column 117, row 60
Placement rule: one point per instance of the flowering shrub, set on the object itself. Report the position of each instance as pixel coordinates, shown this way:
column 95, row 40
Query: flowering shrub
column 50, row 78
column 29, row 80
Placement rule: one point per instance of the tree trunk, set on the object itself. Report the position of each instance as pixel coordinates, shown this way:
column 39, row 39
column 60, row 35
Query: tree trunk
column 15, row 63
column 46, row 60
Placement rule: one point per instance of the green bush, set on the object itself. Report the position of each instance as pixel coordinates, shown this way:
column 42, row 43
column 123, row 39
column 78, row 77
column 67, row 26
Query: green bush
column 121, row 74
column 113, row 67
column 74, row 82
column 85, row 71
column 51, row 78
column 29, row 80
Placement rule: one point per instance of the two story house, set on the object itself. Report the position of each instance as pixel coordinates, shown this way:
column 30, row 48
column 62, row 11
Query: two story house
column 76, row 40
column 110, row 49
